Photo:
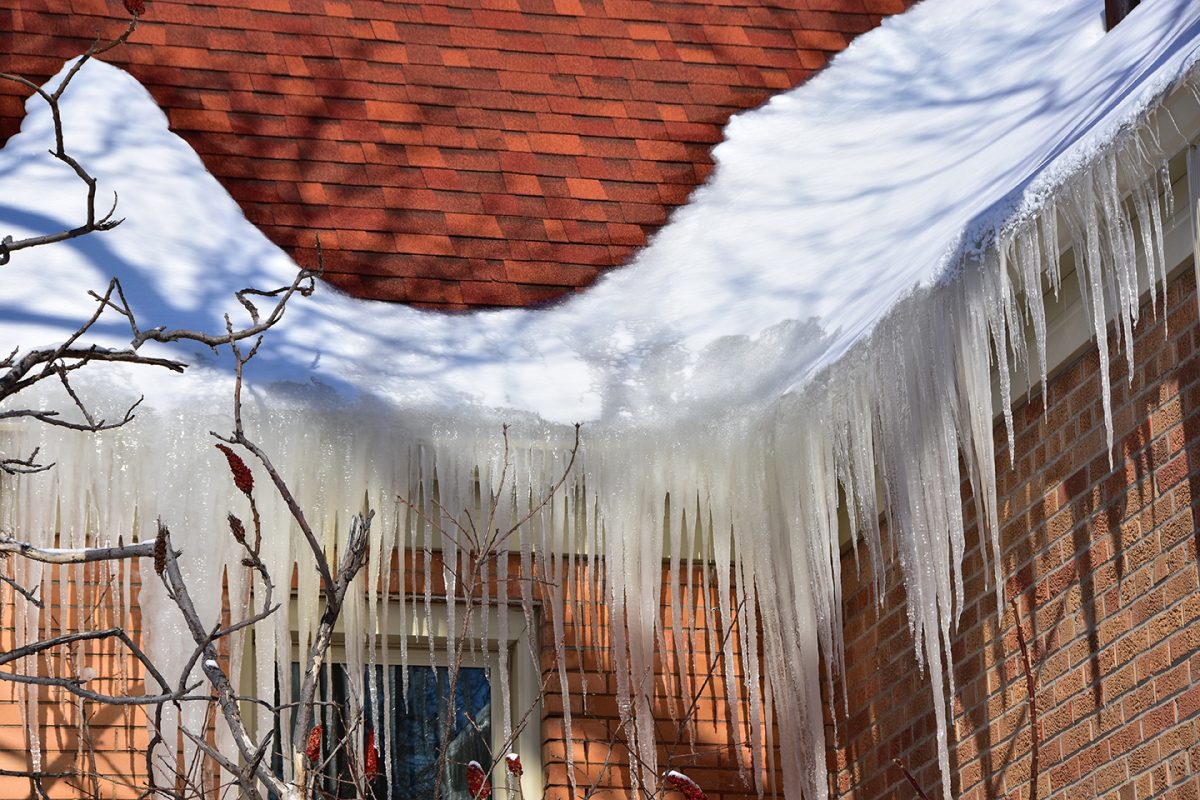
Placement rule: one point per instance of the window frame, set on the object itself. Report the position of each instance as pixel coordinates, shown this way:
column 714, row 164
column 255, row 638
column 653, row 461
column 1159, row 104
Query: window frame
column 523, row 678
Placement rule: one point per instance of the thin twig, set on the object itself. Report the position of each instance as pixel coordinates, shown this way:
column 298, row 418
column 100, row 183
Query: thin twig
column 546, row 498
column 699, row 693
column 93, row 223
column 913, row 781
column 1029, row 688
column 30, row 773
column 73, row 686
column 30, row 596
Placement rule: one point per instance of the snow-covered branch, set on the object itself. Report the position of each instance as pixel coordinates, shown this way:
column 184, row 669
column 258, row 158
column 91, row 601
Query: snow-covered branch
column 78, row 555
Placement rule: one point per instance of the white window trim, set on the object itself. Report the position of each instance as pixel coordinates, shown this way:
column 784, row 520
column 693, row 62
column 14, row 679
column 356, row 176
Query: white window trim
column 1193, row 174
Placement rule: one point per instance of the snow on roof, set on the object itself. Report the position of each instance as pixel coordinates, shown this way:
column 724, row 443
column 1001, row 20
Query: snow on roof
column 829, row 205
column 822, row 312
column 532, row 146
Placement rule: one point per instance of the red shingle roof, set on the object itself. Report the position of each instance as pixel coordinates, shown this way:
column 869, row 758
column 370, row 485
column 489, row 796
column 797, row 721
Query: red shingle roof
column 450, row 153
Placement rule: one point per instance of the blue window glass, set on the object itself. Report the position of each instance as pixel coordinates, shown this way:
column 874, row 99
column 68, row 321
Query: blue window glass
column 416, row 729
column 410, row 733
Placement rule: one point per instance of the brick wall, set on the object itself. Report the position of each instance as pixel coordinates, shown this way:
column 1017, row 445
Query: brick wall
column 1102, row 561
column 116, row 734
column 694, row 731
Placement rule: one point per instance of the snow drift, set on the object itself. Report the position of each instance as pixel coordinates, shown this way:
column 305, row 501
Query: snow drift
column 820, row 319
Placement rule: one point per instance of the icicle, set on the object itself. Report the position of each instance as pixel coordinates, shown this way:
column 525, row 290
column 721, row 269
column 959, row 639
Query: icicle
column 675, row 609
column 506, row 713
column 747, row 624
column 596, row 590
column 548, row 533
column 123, row 618
column 1143, row 198
column 1119, row 254
column 1002, row 330
column 30, row 575
column 706, row 535
column 1093, row 287
column 695, row 622
column 485, row 603
column 723, row 567
column 429, row 544
column 669, row 693
column 769, row 726
column 573, row 546
column 448, row 541
column 525, row 541
column 585, row 598
column 380, row 672
column 358, row 630
column 1157, row 237
column 238, row 579
column 760, row 548
column 1029, row 266
column 382, row 537
column 406, row 584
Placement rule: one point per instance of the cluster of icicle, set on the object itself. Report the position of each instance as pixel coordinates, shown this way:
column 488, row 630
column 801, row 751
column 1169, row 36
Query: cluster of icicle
column 731, row 524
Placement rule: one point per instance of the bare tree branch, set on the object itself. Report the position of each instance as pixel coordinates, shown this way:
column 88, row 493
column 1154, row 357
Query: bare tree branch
column 74, row 685
column 1034, row 733
column 30, row 596
column 94, row 222
column 80, row 555
column 226, row 696
column 23, row 466
column 546, row 498
column 911, row 780
column 353, row 560
column 20, row 371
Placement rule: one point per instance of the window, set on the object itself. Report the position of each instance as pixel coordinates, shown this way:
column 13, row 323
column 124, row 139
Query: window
column 407, row 707
column 410, row 711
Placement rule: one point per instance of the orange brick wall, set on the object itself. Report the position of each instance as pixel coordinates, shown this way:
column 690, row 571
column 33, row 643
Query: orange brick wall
column 695, row 733
column 1103, row 562
column 117, row 735
column 709, row 748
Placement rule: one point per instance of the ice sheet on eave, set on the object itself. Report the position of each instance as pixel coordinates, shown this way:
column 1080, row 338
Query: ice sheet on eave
column 828, row 206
